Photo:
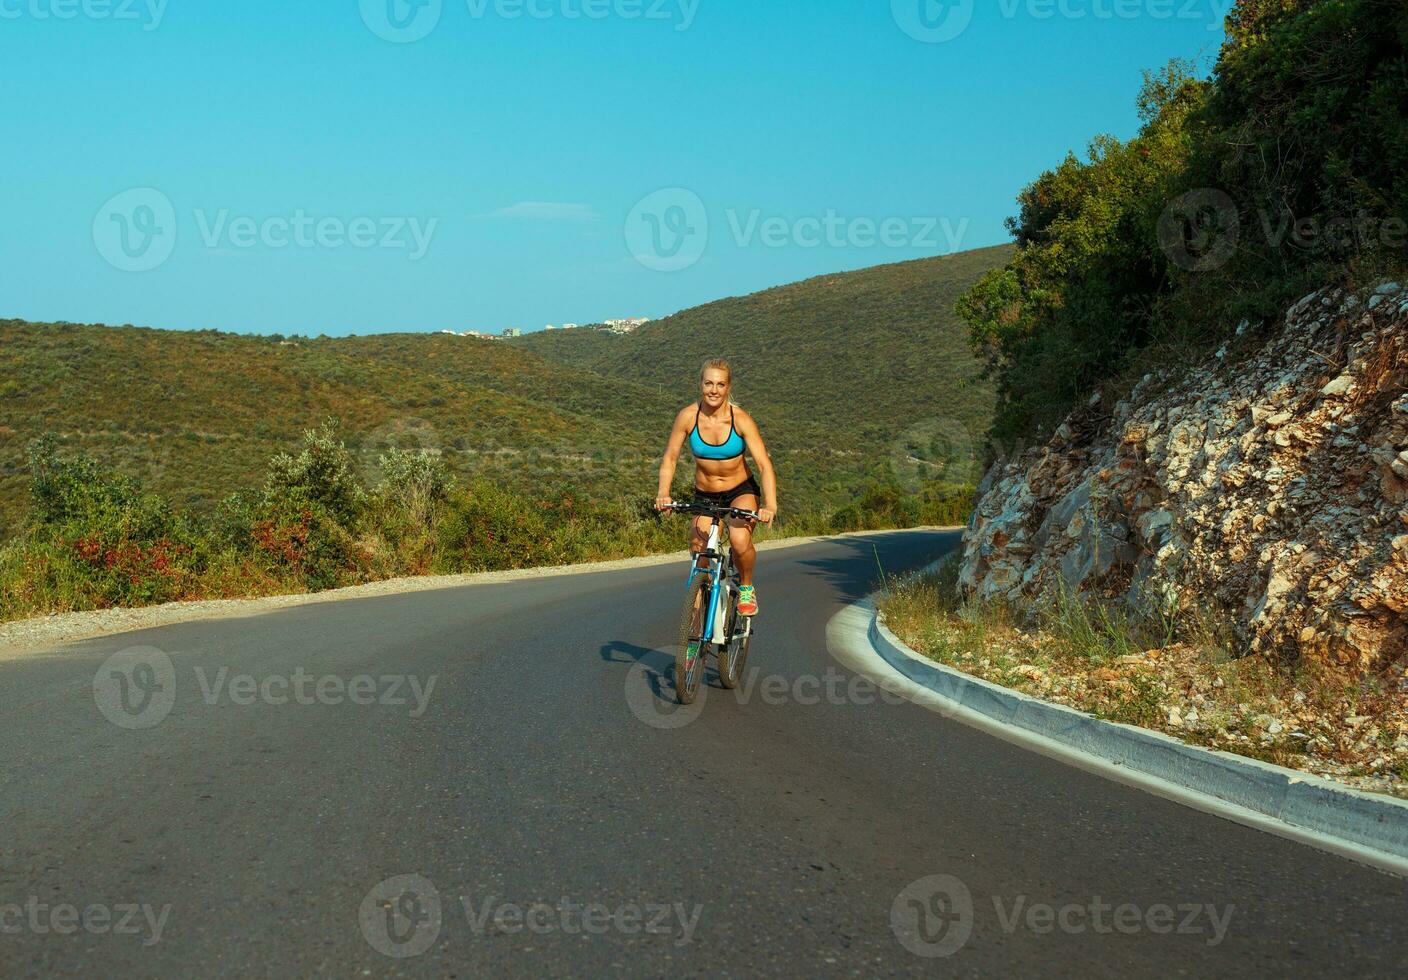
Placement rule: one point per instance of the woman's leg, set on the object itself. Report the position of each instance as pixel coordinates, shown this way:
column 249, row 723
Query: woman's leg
column 740, row 539
column 699, row 538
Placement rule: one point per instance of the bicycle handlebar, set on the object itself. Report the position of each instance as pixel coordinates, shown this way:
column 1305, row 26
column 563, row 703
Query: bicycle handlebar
column 709, row 510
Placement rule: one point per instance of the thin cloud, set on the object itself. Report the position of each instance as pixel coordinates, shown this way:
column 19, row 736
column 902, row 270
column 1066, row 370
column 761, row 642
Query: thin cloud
column 544, row 211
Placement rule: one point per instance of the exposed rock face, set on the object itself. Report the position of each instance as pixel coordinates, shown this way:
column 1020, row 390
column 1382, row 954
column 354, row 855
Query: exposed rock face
column 1272, row 490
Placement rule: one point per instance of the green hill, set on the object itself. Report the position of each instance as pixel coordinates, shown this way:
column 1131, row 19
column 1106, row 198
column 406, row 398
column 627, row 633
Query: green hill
column 835, row 368
column 195, row 416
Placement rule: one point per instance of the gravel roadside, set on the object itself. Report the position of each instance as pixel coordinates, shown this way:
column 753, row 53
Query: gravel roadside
column 46, row 632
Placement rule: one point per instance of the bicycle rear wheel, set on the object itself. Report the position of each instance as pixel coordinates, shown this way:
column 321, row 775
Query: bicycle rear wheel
column 689, row 653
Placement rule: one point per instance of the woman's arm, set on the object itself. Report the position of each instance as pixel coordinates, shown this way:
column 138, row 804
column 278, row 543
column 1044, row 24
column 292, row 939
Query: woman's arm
column 678, row 432
column 748, row 429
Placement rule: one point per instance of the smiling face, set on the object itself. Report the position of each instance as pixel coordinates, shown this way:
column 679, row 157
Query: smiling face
column 714, row 387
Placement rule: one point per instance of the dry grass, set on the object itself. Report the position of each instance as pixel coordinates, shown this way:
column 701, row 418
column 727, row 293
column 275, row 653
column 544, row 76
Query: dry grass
column 1188, row 679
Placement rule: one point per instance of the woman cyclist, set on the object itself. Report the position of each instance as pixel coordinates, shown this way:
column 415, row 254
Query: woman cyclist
column 718, row 432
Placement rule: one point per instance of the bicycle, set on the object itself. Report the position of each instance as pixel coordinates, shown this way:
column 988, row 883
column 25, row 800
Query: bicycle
column 709, row 619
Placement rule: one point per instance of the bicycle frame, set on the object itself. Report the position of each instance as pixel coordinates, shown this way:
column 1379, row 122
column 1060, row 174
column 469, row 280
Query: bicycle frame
column 721, row 588
column 715, row 570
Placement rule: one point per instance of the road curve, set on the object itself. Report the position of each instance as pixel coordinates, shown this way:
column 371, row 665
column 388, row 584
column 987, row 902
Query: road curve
column 489, row 779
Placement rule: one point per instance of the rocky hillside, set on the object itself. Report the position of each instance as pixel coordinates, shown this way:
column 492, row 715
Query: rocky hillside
column 1267, row 489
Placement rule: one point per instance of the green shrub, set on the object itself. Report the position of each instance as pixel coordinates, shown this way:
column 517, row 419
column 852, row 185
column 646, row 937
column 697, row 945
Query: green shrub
column 322, row 476
column 414, row 487
column 98, row 540
column 308, row 513
column 1285, row 171
column 487, row 527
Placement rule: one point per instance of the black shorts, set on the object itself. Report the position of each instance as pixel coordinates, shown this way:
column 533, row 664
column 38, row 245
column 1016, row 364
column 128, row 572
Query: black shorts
column 725, row 498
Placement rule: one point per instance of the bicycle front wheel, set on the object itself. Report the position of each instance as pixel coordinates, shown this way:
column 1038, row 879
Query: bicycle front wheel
column 733, row 658
column 689, row 653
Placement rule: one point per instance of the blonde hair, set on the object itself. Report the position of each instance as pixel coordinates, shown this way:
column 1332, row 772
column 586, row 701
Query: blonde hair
column 719, row 364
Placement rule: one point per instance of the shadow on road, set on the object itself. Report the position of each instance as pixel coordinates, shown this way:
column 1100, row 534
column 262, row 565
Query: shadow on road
column 655, row 659
column 659, row 667
column 867, row 561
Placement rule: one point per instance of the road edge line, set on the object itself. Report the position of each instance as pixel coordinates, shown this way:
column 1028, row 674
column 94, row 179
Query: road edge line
column 1295, row 805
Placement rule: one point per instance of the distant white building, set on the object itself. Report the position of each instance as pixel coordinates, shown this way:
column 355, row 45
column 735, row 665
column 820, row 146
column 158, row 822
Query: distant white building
column 512, row 332
column 569, row 326
column 626, row 325
column 549, row 327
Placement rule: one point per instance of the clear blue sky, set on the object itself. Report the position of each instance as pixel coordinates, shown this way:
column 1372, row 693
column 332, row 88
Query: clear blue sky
column 529, row 142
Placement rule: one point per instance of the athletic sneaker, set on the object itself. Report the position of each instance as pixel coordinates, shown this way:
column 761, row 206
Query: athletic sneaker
column 747, row 601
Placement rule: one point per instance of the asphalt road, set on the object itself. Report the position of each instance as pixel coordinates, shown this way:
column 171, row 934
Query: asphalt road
column 510, row 748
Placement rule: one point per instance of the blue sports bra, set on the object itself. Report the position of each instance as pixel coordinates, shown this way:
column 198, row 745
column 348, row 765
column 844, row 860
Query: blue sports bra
column 730, row 448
